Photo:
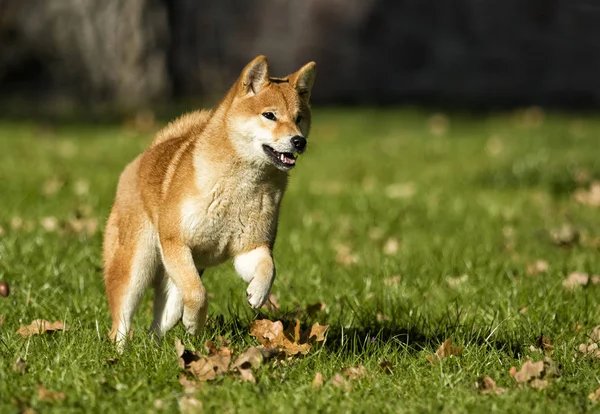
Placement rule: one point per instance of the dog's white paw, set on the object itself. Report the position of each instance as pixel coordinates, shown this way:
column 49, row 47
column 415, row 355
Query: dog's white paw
column 193, row 324
column 258, row 293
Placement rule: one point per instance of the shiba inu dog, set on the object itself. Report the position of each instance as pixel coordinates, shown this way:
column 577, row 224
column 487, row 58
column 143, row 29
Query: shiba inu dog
column 208, row 189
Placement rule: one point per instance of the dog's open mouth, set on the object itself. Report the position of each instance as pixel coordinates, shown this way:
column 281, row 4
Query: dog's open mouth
column 285, row 160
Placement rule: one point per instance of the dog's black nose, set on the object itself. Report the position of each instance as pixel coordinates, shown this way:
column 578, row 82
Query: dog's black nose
column 299, row 143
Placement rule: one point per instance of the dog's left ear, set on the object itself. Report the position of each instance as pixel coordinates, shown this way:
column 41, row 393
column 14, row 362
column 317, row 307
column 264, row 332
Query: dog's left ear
column 255, row 76
column 304, row 79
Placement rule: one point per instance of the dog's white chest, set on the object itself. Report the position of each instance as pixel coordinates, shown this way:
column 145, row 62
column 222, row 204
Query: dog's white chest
column 228, row 220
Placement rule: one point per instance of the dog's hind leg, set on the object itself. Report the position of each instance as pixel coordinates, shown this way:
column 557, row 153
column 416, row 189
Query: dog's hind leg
column 168, row 305
column 128, row 273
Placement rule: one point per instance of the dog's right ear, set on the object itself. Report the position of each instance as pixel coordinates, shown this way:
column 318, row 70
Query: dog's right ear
column 255, row 76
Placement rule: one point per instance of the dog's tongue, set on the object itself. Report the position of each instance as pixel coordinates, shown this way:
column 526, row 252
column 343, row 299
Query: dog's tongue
column 287, row 160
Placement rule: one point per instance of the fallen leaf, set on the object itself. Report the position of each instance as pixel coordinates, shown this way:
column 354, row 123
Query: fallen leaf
column 488, row 386
column 355, row 373
column 590, row 349
column 595, row 396
column 46, row 395
column 339, row 381
column 392, row 281
column 190, row 405
column 445, row 350
column 455, row 282
column 589, row 197
column 318, row 380
column 382, row 318
column 565, row 235
column 539, row 384
column 40, row 326
column 317, row 332
column 344, row 255
column 291, row 341
column 400, row 190
column 545, row 345
column 391, row 247
column 50, row 224
column 52, row 186
column 251, row 358
column 189, row 386
column 529, row 370
column 575, row 280
column 537, row 267
column 87, row 226
column 81, row 187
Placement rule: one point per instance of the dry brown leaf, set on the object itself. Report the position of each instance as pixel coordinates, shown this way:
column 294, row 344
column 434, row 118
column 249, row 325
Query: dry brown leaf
column 589, row 197
column 190, row 405
column 595, row 396
column 46, row 395
column 455, row 282
column 381, row 317
column 339, row 381
column 590, row 349
column 392, row 281
column 317, row 332
column 545, row 345
column 291, row 341
column 391, row 247
column 400, row 190
column 355, row 373
column 250, row 358
column 565, row 235
column 189, row 386
column 344, row 255
column 445, row 350
column 529, row 370
column 203, row 369
column 537, row 267
column 40, row 326
column 52, row 186
column 318, row 380
column 87, row 226
column 539, row 384
column 488, row 386
column 49, row 224
column 575, row 280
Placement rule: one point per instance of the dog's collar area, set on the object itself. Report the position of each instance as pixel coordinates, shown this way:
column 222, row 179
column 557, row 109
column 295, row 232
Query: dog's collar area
column 284, row 160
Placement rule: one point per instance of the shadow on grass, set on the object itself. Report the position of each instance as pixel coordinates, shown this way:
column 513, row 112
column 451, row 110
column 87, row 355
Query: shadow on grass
column 357, row 332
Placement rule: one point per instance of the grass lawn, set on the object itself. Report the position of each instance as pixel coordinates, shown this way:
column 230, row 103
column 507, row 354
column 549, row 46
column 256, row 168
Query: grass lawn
column 460, row 208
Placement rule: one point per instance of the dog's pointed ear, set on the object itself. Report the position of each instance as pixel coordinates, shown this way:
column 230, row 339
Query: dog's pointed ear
column 304, row 79
column 255, row 76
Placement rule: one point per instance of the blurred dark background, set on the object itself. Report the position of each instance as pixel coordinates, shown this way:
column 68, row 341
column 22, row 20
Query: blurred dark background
column 136, row 53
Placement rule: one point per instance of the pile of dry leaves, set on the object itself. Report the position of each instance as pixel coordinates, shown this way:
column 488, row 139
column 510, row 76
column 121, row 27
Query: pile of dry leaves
column 276, row 343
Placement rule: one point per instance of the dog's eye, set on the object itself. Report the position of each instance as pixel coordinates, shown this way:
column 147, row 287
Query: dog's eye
column 299, row 119
column 270, row 116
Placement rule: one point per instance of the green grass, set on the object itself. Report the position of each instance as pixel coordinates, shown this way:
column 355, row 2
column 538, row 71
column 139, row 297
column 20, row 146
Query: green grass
column 478, row 200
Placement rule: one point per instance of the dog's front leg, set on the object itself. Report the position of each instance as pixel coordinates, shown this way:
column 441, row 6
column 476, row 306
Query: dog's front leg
column 256, row 267
column 179, row 265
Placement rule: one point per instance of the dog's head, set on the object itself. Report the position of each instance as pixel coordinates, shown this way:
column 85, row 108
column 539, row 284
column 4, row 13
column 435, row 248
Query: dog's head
column 269, row 118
